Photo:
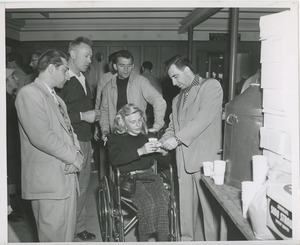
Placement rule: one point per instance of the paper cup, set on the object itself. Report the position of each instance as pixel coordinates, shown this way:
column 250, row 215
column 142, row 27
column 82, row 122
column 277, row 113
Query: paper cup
column 248, row 191
column 152, row 139
column 157, row 143
column 218, row 179
column 208, row 168
column 219, row 167
column 259, row 168
column 245, row 209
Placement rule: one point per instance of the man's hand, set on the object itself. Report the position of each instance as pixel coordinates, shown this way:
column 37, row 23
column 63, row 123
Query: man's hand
column 152, row 130
column 71, row 169
column 104, row 136
column 170, row 144
column 96, row 134
column 90, row 116
column 162, row 151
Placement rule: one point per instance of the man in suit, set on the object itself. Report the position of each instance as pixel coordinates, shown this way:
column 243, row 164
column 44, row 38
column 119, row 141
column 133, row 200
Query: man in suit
column 50, row 151
column 77, row 96
column 195, row 132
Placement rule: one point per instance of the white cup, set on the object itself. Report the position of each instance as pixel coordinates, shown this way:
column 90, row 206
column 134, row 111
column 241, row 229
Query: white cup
column 219, row 172
column 218, row 179
column 219, row 166
column 259, row 168
column 208, row 168
column 248, row 189
column 156, row 142
column 152, row 139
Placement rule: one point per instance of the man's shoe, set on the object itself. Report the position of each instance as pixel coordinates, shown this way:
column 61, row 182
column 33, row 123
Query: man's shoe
column 86, row 236
column 15, row 217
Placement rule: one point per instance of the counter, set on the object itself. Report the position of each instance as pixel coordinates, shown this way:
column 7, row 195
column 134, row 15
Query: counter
column 230, row 200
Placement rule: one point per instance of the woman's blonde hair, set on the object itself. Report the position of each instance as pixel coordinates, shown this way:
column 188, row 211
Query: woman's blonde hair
column 120, row 127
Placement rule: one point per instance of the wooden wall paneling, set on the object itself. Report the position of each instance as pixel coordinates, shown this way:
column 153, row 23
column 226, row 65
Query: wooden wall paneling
column 142, row 56
column 115, row 48
column 103, row 50
column 201, row 66
column 166, row 52
column 182, row 49
column 102, row 67
column 136, row 52
column 151, row 54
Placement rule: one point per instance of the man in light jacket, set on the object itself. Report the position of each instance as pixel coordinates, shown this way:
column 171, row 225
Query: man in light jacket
column 50, row 152
column 195, row 132
column 128, row 87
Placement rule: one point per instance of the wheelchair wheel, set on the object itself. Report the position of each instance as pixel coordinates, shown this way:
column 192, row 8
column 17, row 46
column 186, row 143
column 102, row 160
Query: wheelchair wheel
column 105, row 211
column 118, row 222
column 174, row 222
column 173, row 211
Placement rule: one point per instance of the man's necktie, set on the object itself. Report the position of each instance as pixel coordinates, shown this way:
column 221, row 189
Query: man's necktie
column 64, row 115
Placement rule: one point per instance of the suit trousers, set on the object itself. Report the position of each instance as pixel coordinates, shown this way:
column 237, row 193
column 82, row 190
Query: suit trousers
column 56, row 218
column 191, row 194
column 83, row 180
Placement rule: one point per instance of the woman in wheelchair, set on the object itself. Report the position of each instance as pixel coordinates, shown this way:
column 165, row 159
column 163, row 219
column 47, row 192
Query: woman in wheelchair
column 131, row 152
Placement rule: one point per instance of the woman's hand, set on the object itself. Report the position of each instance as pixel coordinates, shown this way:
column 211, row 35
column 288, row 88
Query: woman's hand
column 149, row 147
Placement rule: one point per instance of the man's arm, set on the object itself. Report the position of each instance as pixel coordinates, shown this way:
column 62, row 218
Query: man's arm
column 36, row 124
column 104, row 118
column 103, row 80
column 98, row 93
column 153, row 97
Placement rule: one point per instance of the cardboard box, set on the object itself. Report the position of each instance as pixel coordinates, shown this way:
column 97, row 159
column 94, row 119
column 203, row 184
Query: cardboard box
column 279, row 218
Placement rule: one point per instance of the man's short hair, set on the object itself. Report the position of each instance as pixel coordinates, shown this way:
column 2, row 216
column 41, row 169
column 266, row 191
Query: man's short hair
column 123, row 54
column 78, row 41
column 180, row 62
column 37, row 52
column 112, row 56
column 51, row 56
column 15, row 57
column 147, row 65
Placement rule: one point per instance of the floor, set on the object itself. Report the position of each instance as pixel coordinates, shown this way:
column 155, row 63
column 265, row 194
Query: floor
column 23, row 231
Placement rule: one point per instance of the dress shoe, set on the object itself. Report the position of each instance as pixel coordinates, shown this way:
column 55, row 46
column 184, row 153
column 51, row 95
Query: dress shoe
column 86, row 236
column 15, row 217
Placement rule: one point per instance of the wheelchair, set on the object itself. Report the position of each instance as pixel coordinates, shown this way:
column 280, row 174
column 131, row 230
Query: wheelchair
column 112, row 206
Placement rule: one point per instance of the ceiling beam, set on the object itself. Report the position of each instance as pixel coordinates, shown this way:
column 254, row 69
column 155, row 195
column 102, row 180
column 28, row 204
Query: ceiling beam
column 196, row 17
column 45, row 14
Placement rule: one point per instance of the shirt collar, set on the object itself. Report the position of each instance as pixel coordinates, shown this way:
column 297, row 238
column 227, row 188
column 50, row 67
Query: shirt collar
column 195, row 82
column 72, row 74
column 51, row 91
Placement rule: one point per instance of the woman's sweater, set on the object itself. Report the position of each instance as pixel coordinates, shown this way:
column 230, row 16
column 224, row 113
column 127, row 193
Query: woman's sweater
column 123, row 152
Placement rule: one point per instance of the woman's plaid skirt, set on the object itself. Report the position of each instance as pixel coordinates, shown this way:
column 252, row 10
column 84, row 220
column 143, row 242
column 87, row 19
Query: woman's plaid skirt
column 151, row 200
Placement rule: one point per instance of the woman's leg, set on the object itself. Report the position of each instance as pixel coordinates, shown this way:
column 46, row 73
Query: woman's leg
column 145, row 211
column 161, row 202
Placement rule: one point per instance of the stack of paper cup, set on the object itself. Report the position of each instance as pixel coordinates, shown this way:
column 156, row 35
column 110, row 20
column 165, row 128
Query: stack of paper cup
column 208, row 168
column 219, row 172
column 259, row 168
column 249, row 189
